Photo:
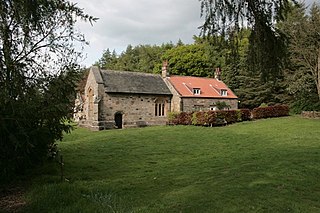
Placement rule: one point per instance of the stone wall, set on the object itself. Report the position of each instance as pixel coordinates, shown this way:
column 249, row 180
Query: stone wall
column 175, row 100
column 136, row 110
column 310, row 114
column 204, row 104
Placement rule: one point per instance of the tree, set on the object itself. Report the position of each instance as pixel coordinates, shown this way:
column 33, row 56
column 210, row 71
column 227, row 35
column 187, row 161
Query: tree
column 38, row 75
column 303, row 74
column 108, row 59
column 197, row 59
column 141, row 58
column 267, row 44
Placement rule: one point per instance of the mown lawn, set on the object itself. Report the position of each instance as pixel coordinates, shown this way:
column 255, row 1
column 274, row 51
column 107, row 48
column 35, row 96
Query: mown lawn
column 270, row 165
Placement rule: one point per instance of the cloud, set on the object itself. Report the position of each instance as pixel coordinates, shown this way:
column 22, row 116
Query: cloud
column 123, row 22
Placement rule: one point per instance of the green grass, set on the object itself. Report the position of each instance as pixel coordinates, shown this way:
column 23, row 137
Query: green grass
column 270, row 165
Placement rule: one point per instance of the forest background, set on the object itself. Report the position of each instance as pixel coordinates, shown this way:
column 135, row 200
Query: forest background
column 298, row 83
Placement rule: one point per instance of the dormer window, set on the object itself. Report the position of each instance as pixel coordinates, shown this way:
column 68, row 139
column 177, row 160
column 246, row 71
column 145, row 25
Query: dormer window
column 224, row 92
column 196, row 91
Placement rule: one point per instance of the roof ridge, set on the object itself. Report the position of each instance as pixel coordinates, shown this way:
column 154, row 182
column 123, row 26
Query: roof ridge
column 131, row 72
column 187, row 76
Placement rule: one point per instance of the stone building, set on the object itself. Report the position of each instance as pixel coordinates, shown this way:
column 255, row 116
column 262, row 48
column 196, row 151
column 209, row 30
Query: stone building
column 197, row 93
column 120, row 99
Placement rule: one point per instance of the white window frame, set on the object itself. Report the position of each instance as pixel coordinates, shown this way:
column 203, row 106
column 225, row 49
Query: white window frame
column 224, row 92
column 213, row 108
column 196, row 91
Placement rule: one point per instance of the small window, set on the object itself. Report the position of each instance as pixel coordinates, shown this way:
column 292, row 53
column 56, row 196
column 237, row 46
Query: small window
column 213, row 108
column 224, row 92
column 196, row 91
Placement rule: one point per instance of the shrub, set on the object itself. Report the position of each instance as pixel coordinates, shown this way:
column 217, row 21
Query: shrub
column 183, row 118
column 231, row 116
column 212, row 117
column 271, row 111
column 200, row 118
column 172, row 116
column 245, row 114
column 222, row 105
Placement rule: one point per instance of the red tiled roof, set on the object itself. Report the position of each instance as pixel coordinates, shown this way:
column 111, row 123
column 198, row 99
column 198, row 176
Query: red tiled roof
column 209, row 87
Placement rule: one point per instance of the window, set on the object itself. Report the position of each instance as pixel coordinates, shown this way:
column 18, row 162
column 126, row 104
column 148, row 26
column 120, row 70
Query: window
column 224, row 92
column 159, row 109
column 197, row 108
column 213, row 108
column 196, row 91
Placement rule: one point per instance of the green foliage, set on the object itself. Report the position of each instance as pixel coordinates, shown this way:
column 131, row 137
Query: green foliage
column 198, row 59
column 200, row 118
column 302, row 74
column 142, row 58
column 221, row 105
column 212, row 118
column 267, row 43
column 189, row 60
column 38, row 76
column 172, row 115
column 263, row 105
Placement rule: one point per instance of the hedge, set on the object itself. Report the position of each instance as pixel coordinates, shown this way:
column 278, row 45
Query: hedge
column 210, row 118
column 270, row 111
column 223, row 117
column 183, row 118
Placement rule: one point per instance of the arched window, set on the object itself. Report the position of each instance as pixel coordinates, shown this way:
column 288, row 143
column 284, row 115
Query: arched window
column 159, row 109
column 90, row 103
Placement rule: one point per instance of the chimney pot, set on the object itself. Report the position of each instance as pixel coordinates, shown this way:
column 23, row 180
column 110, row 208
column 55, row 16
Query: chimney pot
column 217, row 73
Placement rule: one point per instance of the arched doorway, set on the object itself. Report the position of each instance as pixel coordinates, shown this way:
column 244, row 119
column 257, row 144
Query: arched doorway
column 118, row 120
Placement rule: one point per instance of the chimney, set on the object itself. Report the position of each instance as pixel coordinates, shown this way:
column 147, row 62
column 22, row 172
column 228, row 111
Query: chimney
column 217, row 73
column 165, row 72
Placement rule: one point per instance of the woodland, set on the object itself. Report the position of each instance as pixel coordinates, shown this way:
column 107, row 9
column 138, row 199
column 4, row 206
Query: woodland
column 295, row 81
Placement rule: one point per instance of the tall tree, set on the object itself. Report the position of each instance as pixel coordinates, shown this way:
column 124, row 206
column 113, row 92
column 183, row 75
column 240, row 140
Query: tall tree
column 267, row 44
column 303, row 31
column 191, row 60
column 38, row 73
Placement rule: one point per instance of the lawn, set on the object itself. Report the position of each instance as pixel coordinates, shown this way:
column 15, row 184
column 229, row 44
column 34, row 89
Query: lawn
column 270, row 165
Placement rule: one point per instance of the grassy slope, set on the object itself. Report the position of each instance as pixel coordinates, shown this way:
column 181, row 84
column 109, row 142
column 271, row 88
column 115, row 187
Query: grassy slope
column 268, row 165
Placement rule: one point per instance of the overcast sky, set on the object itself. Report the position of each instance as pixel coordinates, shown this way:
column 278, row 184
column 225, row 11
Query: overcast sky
column 123, row 22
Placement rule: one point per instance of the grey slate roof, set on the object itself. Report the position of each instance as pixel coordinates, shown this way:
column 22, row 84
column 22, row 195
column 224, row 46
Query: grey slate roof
column 134, row 82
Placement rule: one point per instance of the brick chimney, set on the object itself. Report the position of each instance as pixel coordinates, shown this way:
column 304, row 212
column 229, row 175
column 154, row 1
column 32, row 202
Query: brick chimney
column 165, row 72
column 217, row 73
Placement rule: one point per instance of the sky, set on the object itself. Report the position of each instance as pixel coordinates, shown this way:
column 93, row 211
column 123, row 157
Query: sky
column 124, row 22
